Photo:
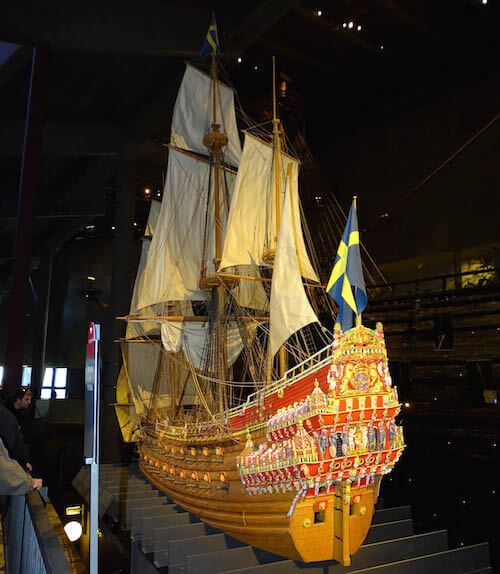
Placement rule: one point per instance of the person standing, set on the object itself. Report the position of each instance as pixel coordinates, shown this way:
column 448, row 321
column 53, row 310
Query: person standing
column 14, row 480
column 19, row 402
column 12, row 437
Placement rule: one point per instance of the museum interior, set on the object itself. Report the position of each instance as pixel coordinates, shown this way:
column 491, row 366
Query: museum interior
column 136, row 138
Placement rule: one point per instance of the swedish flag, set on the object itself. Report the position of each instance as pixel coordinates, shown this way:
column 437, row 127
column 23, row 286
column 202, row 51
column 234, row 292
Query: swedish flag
column 348, row 273
column 211, row 44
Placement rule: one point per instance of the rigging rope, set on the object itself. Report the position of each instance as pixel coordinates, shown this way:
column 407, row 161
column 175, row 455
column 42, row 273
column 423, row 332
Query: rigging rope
column 386, row 214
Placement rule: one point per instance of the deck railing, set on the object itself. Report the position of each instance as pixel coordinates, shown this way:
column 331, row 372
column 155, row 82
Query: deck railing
column 31, row 544
column 314, row 362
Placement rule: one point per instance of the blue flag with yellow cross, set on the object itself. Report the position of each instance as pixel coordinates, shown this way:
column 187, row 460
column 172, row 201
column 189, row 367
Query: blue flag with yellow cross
column 211, row 44
column 347, row 285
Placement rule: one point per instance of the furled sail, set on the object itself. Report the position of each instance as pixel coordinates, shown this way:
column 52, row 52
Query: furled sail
column 289, row 309
column 193, row 115
column 184, row 241
column 251, row 228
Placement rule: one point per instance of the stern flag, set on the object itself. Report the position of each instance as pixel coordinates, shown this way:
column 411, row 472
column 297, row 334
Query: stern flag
column 348, row 273
column 211, row 44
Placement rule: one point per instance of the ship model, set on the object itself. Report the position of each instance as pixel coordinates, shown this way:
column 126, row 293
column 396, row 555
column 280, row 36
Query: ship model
column 247, row 412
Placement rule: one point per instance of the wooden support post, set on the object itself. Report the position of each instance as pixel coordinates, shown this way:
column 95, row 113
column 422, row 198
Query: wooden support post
column 32, row 149
column 123, row 268
column 41, row 324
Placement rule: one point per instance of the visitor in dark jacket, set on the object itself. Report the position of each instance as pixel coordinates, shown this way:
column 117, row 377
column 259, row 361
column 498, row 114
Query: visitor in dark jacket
column 12, row 437
column 18, row 403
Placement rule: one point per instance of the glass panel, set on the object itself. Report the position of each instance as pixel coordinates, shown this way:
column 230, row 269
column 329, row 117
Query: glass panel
column 47, row 377
column 45, row 394
column 26, row 381
column 60, row 393
column 60, row 379
column 1, row 375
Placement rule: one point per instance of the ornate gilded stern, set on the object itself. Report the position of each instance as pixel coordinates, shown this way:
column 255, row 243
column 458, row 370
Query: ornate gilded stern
column 315, row 447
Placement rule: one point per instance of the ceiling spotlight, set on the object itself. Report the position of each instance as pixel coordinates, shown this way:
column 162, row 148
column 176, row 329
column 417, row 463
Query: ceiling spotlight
column 256, row 67
column 113, row 227
column 350, row 25
column 319, row 13
column 358, row 28
column 381, row 46
column 484, row 2
column 135, row 223
column 90, row 278
column 147, row 191
column 158, row 194
column 344, row 25
column 239, row 60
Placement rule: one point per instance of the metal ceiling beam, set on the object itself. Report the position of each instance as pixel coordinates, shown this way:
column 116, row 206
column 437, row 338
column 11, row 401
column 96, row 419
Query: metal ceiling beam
column 337, row 29
column 19, row 59
column 256, row 24
column 296, row 55
column 405, row 16
column 113, row 26
column 62, row 138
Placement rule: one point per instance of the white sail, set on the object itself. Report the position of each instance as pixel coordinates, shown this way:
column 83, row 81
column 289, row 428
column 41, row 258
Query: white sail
column 193, row 115
column 251, row 228
column 289, row 309
column 175, row 257
column 141, row 365
column 192, row 339
column 139, row 329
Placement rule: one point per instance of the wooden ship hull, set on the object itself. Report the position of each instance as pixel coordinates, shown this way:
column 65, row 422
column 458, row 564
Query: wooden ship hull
column 264, row 523
column 312, row 502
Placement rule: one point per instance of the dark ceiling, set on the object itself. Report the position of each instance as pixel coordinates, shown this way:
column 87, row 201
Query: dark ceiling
column 115, row 67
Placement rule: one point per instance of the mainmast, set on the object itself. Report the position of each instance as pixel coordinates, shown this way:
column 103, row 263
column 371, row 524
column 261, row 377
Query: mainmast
column 215, row 140
column 276, row 151
column 268, row 256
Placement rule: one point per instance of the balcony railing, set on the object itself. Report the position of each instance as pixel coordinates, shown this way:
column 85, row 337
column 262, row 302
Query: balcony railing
column 452, row 282
column 31, row 544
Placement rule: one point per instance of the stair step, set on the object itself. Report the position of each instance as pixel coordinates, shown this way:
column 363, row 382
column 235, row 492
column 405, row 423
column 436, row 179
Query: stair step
column 216, row 562
column 149, row 525
column 130, row 487
column 456, row 561
column 128, row 505
column 391, row 514
column 149, row 511
column 398, row 549
column 178, row 550
column 163, row 536
column 282, row 567
column 389, row 530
